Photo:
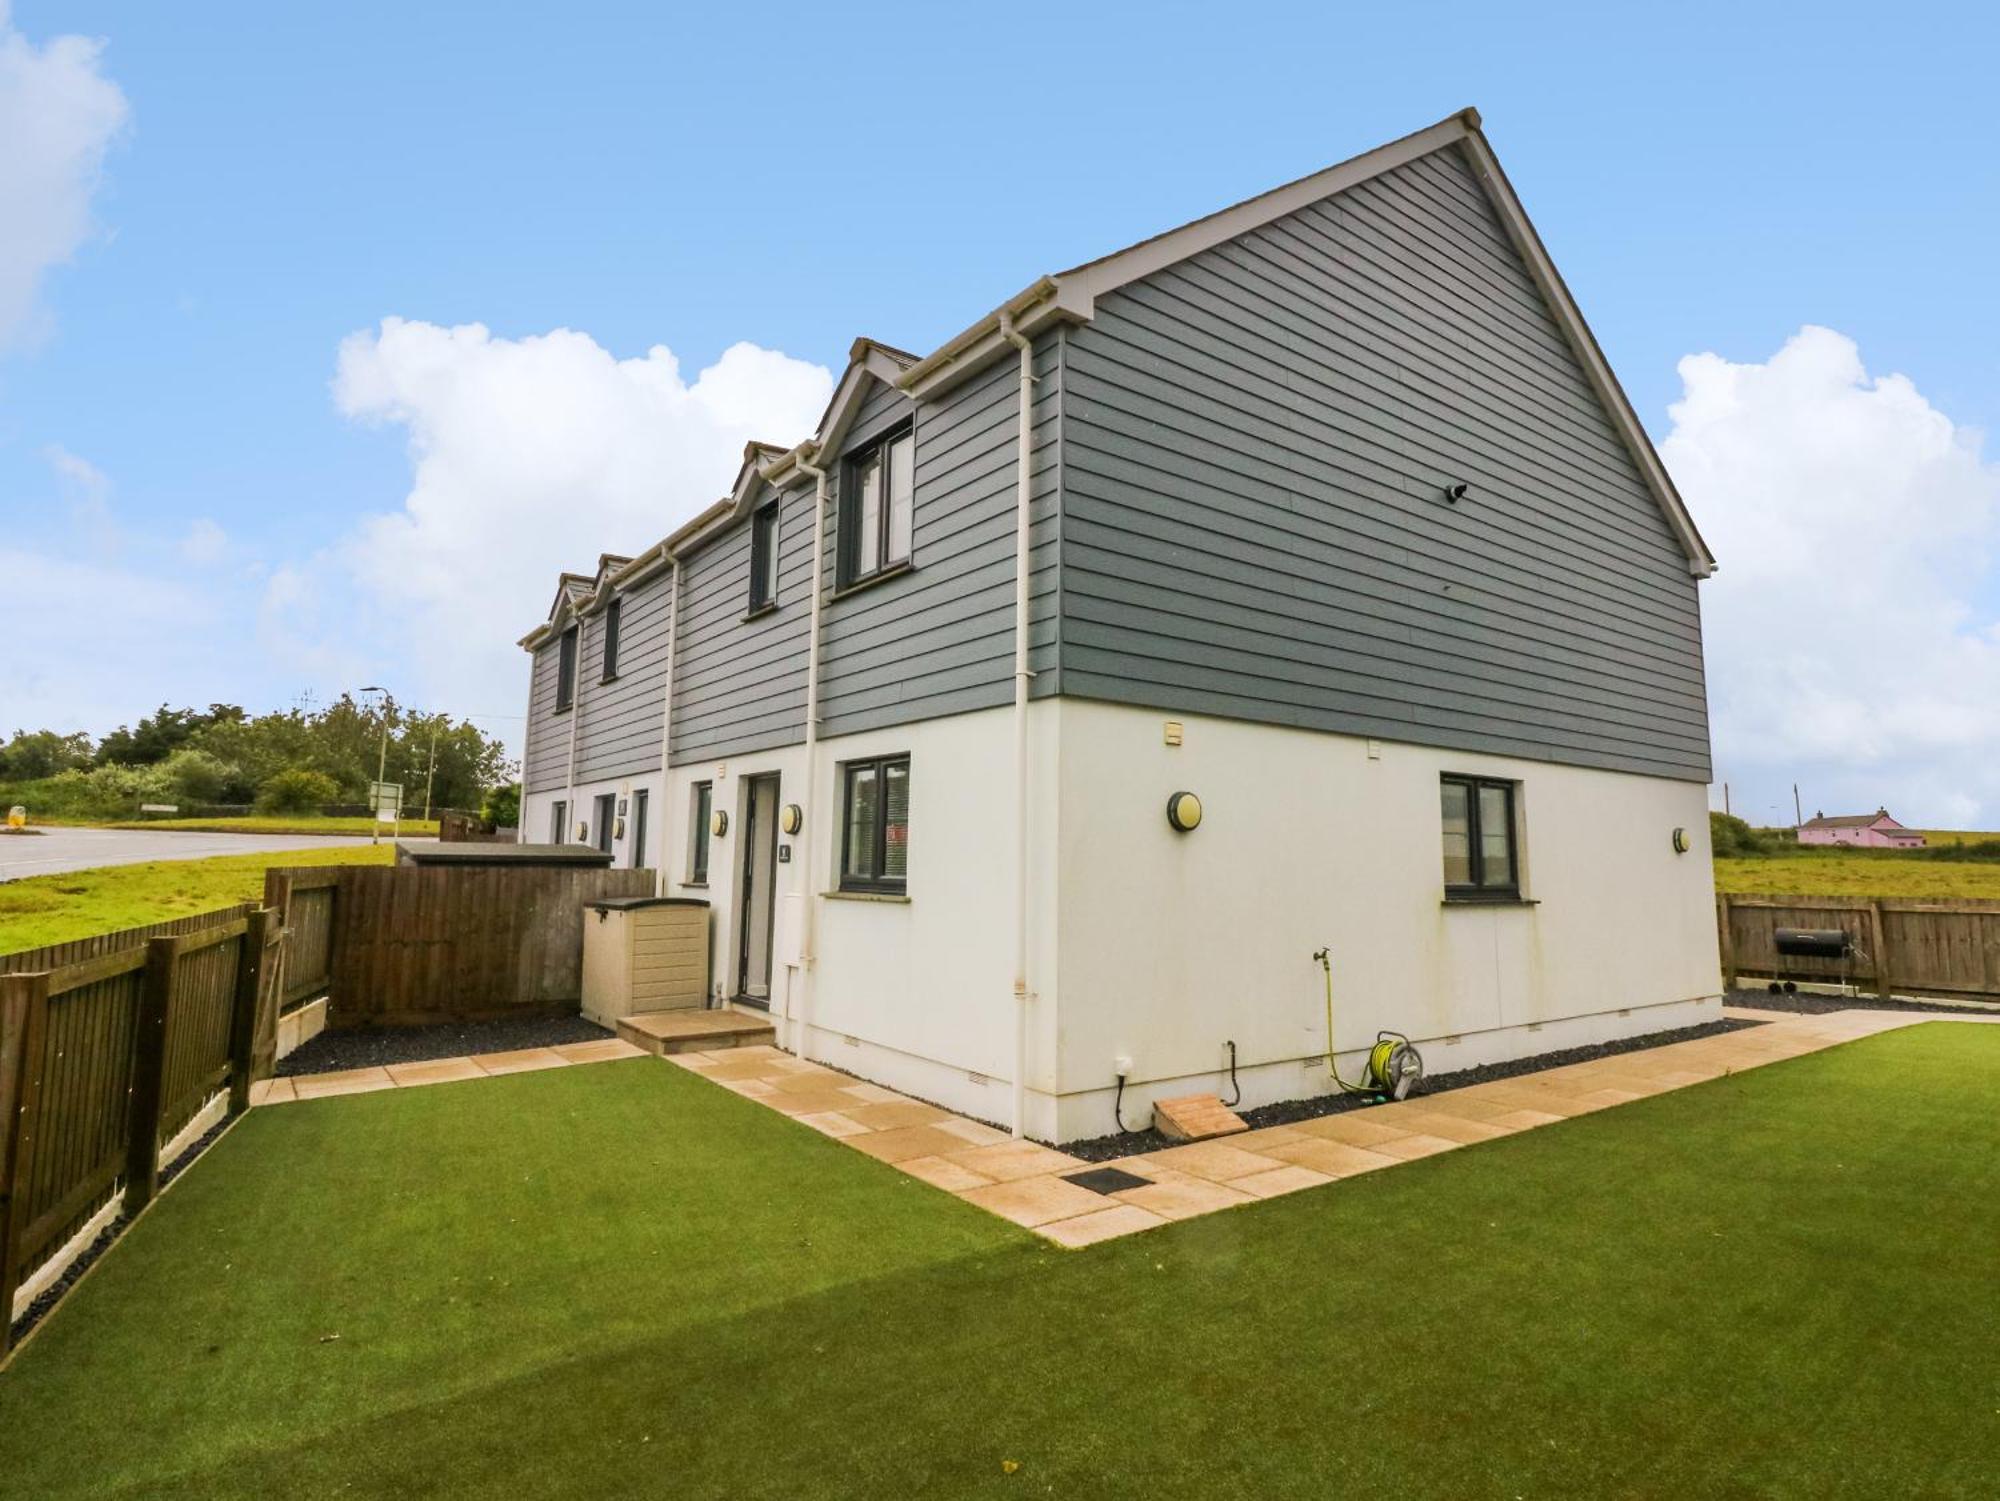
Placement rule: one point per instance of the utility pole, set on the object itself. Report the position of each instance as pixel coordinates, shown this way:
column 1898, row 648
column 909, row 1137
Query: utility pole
column 1798, row 809
column 430, row 771
column 1725, row 799
column 381, row 766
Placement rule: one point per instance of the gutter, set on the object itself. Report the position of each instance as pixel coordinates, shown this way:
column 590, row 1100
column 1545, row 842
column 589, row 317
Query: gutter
column 1023, row 484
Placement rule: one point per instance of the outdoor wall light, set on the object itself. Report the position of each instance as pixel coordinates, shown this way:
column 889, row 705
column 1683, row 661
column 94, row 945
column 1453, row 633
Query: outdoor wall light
column 791, row 818
column 719, row 823
column 1682, row 844
column 1184, row 812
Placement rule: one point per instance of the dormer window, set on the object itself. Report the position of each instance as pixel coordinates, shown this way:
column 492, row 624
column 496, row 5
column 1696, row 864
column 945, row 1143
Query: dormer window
column 877, row 500
column 764, row 558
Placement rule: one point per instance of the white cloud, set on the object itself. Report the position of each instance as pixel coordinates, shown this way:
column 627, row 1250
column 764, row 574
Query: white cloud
column 1853, row 640
column 529, row 456
column 58, row 116
column 86, row 495
column 204, row 542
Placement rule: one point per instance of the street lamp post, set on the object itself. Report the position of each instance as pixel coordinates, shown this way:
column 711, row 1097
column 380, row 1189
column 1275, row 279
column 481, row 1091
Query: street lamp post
column 381, row 764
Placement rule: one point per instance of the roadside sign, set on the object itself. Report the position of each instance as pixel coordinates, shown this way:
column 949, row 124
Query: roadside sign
column 387, row 799
column 159, row 807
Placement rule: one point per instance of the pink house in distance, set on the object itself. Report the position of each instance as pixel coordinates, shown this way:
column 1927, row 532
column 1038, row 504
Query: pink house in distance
column 1875, row 830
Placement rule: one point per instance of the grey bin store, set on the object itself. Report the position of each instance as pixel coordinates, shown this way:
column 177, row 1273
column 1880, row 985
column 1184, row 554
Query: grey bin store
column 644, row 953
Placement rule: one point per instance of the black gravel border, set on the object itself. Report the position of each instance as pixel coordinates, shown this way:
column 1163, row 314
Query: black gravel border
column 1290, row 1112
column 46, row 1301
column 374, row 1047
column 1805, row 1003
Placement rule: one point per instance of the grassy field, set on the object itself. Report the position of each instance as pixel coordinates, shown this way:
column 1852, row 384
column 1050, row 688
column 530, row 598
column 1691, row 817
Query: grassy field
column 54, row 909
column 277, row 824
column 621, row 1280
column 1857, row 873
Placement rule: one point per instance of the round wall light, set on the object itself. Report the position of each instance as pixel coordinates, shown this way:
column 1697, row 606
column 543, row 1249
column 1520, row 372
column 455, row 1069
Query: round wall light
column 1682, row 844
column 1184, row 811
column 719, row 823
column 791, row 818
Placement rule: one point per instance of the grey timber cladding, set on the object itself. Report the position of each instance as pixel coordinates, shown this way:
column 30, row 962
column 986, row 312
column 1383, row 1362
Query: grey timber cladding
column 619, row 735
column 545, row 758
column 1255, row 443
column 935, row 640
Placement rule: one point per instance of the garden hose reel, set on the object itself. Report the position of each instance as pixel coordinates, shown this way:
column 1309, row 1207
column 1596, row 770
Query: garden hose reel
column 1395, row 1067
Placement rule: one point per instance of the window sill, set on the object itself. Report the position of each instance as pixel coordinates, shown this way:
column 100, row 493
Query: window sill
column 872, row 580
column 1489, row 901
column 761, row 611
column 610, row 677
column 563, row 708
column 893, row 898
column 692, row 885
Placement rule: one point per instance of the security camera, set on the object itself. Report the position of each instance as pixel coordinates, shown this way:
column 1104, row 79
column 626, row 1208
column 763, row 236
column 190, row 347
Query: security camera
column 1455, row 493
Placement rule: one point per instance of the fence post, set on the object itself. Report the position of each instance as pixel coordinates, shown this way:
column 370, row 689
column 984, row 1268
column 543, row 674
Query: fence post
column 1878, row 941
column 1726, row 942
column 246, row 1011
column 149, row 1069
column 24, row 1014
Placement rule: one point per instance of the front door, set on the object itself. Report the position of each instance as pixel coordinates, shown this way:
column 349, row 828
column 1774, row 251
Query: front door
column 760, row 860
column 607, row 813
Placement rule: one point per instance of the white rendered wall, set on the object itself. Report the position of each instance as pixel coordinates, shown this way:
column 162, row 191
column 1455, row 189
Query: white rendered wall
column 916, row 993
column 1173, row 944
column 537, row 807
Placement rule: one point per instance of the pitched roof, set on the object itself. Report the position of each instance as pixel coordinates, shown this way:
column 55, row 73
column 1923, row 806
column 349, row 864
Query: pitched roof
column 1070, row 296
column 1849, row 820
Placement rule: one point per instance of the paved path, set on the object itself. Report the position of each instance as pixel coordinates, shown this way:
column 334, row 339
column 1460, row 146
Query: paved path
column 1030, row 1184
column 59, row 849
column 293, row 1087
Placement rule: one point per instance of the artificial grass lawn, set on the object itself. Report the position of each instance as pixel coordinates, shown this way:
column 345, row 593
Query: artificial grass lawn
column 75, row 904
column 621, row 1280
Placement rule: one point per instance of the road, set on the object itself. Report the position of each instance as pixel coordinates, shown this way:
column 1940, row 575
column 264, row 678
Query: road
column 55, row 850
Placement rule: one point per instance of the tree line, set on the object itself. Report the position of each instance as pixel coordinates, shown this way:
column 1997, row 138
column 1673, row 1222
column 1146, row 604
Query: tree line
column 294, row 761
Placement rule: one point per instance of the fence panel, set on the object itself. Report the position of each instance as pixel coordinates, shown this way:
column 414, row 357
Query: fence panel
column 412, row 945
column 104, row 1061
column 76, row 950
column 1943, row 948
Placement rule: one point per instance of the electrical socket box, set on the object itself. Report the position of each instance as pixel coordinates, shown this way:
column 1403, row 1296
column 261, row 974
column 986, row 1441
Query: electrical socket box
column 1122, row 1065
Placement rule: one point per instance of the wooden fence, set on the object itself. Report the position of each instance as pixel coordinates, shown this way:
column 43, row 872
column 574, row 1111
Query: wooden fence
column 411, row 945
column 55, row 955
column 103, row 1060
column 1941, row 948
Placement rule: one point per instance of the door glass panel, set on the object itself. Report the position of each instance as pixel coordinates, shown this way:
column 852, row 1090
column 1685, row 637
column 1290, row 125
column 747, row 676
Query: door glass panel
column 1457, row 835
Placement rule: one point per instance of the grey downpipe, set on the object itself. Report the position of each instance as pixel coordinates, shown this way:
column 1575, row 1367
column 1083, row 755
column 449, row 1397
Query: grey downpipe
column 803, row 874
column 667, row 729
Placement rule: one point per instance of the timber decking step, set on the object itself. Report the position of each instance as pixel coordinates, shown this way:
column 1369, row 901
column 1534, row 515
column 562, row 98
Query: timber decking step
column 1194, row 1117
column 694, row 1031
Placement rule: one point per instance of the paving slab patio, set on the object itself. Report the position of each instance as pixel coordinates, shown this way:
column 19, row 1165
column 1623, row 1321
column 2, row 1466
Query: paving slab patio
column 1026, row 1183
column 448, row 1071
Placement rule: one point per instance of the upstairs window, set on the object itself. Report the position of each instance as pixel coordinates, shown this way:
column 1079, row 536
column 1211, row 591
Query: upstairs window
column 1480, row 859
column 878, row 498
column 566, row 669
column 764, row 558
column 875, row 822
column 611, row 639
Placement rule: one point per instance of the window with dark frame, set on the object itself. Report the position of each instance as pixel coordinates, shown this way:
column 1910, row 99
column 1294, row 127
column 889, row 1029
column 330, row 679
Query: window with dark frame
column 611, row 612
column 1480, row 858
column 558, row 817
column 878, row 499
column 566, row 669
column 875, row 825
column 764, row 558
column 704, row 807
column 640, row 799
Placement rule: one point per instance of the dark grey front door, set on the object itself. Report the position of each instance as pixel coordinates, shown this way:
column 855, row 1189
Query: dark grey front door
column 607, row 814
column 759, row 890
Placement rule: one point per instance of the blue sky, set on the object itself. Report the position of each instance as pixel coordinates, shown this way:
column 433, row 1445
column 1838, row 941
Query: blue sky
column 1710, row 179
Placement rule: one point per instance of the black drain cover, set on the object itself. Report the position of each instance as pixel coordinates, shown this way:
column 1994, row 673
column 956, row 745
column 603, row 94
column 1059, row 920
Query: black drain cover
column 1106, row 1180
